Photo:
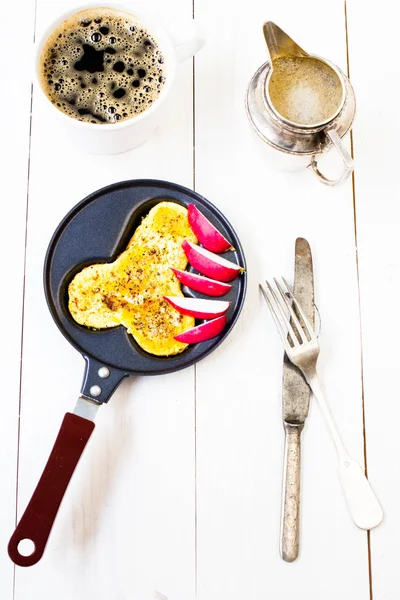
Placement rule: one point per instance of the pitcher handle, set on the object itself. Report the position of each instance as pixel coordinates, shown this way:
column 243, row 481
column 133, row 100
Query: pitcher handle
column 347, row 160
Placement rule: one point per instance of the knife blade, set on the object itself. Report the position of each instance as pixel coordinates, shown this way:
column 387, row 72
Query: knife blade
column 295, row 404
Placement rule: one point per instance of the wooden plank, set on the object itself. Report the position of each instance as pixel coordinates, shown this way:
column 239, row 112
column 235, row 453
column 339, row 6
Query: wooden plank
column 126, row 526
column 377, row 190
column 238, row 423
column 15, row 101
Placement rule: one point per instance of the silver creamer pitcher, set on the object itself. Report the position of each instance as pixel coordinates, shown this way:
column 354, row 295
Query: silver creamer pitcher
column 300, row 103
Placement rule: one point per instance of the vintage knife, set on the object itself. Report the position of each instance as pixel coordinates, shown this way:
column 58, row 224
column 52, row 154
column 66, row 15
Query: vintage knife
column 295, row 401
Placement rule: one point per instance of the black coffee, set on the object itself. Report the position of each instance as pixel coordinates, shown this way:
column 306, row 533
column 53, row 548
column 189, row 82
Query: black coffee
column 102, row 66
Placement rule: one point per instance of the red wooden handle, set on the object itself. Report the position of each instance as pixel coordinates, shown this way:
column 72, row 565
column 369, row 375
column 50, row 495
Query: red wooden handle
column 39, row 516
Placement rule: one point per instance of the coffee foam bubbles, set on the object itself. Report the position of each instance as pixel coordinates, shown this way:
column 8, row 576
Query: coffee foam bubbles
column 102, row 66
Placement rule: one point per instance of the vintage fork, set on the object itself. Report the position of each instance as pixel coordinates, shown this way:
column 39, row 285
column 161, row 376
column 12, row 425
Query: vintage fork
column 302, row 347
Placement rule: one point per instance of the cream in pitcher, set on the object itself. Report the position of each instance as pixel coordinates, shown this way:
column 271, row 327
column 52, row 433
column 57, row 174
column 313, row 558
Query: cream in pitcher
column 304, row 90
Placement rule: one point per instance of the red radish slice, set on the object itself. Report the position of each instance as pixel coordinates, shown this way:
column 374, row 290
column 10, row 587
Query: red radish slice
column 207, row 286
column 205, row 231
column 197, row 307
column 210, row 264
column 203, row 332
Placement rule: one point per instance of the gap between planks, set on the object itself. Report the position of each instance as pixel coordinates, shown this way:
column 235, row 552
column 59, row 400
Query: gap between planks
column 353, row 183
column 195, row 367
column 23, row 297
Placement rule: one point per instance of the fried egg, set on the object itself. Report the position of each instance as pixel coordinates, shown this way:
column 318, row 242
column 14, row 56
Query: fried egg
column 130, row 290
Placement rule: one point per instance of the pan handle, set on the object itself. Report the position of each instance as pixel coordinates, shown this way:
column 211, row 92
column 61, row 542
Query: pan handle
column 38, row 518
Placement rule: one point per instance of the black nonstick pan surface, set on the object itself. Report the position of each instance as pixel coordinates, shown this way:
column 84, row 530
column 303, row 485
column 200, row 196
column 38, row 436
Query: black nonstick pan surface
column 97, row 230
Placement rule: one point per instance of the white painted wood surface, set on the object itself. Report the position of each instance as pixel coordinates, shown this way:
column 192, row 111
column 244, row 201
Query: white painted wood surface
column 178, row 493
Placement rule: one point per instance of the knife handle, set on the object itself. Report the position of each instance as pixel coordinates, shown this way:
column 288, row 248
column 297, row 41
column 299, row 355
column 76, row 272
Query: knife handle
column 37, row 521
column 290, row 525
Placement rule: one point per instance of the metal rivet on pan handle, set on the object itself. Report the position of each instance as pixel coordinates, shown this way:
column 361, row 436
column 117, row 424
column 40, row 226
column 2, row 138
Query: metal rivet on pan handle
column 95, row 391
column 103, row 372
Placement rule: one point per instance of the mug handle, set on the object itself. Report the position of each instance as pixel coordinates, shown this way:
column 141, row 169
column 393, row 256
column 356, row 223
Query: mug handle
column 191, row 42
column 347, row 160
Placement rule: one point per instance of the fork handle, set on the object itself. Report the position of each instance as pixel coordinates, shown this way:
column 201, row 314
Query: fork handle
column 361, row 500
column 290, row 524
column 363, row 505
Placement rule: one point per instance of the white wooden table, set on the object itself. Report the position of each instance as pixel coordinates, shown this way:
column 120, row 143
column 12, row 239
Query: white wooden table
column 178, row 493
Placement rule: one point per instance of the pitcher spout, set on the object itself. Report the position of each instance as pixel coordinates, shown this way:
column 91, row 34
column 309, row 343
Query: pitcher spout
column 279, row 43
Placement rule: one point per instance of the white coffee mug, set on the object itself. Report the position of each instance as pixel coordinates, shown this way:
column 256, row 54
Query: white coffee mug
column 113, row 138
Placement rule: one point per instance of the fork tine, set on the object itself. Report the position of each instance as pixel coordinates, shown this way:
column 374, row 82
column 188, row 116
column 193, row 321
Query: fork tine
column 274, row 315
column 284, row 317
column 307, row 323
column 293, row 315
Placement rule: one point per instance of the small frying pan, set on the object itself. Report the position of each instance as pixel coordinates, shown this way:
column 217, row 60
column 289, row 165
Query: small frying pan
column 98, row 230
